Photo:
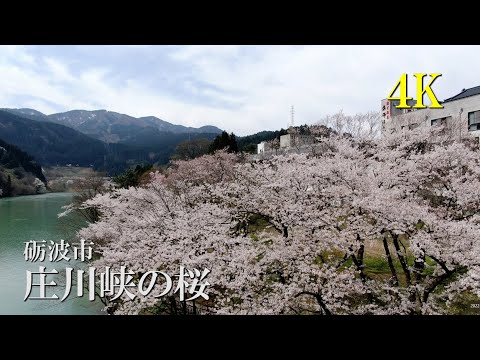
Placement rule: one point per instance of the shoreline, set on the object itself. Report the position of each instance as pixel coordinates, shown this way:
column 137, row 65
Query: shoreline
column 38, row 194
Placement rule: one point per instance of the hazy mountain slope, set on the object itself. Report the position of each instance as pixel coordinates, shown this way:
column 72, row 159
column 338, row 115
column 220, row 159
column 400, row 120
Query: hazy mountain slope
column 51, row 143
column 55, row 144
column 28, row 113
column 162, row 144
column 112, row 127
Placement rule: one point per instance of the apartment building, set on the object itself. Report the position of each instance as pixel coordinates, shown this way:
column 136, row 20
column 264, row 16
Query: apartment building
column 461, row 112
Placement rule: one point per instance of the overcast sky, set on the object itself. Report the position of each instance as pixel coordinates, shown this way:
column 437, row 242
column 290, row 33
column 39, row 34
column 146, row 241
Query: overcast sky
column 244, row 89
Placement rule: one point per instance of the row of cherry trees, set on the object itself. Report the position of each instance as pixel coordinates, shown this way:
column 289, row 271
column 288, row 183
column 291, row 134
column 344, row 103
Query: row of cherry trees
column 297, row 233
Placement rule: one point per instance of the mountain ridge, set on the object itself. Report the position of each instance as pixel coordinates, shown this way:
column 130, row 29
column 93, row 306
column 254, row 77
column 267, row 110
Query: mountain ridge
column 110, row 126
column 55, row 144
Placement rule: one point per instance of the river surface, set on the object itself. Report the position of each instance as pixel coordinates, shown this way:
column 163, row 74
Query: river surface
column 35, row 218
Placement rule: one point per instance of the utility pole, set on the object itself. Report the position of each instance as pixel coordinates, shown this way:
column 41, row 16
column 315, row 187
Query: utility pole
column 292, row 120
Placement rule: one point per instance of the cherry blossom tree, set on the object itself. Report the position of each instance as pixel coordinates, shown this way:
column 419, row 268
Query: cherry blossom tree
column 305, row 233
column 76, row 213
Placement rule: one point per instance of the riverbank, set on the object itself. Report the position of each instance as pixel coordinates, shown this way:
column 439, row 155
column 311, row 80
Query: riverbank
column 16, row 182
column 64, row 178
column 60, row 179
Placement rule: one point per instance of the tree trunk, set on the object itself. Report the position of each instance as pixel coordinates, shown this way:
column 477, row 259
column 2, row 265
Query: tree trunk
column 390, row 262
column 402, row 260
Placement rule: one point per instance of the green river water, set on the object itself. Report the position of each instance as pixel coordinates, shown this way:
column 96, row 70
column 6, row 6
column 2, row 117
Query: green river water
column 34, row 218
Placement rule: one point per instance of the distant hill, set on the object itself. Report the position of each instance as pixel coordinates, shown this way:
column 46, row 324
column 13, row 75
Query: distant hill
column 112, row 127
column 162, row 144
column 55, row 144
column 179, row 129
column 20, row 174
column 28, row 113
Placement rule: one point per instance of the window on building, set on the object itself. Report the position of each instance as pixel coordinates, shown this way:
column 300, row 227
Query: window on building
column 474, row 121
column 413, row 126
column 440, row 121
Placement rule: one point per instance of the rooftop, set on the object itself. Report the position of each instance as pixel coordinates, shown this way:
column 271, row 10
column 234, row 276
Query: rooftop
column 464, row 94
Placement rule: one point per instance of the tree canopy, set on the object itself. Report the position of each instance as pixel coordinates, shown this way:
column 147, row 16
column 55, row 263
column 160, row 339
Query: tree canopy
column 387, row 226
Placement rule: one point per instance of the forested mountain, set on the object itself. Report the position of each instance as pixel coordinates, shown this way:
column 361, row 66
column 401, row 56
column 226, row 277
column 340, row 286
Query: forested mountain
column 55, row 144
column 113, row 127
column 28, row 113
column 20, row 174
column 106, row 140
column 162, row 144
column 51, row 143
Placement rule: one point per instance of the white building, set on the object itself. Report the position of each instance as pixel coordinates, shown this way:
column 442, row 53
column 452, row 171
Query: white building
column 263, row 147
column 292, row 140
column 461, row 111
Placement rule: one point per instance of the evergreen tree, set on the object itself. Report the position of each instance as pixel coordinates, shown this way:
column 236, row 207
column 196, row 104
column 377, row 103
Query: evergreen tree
column 224, row 141
column 131, row 177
